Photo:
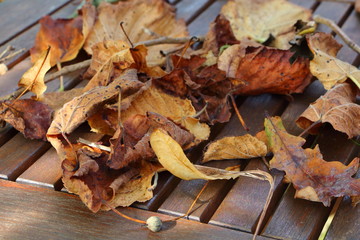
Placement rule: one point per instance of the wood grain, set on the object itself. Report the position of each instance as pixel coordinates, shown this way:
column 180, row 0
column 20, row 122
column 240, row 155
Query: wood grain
column 18, row 15
column 63, row 216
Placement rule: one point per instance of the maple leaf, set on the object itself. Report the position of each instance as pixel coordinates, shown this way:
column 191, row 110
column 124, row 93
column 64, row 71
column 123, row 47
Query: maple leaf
column 30, row 117
column 325, row 66
column 33, row 79
column 63, row 35
column 138, row 15
column 131, row 143
column 313, row 178
column 243, row 147
column 258, row 20
column 336, row 107
column 257, row 70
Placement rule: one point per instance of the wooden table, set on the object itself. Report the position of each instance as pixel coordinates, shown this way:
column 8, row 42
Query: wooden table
column 32, row 205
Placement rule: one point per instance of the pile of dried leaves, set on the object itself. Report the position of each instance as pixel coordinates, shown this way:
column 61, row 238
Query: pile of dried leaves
column 155, row 100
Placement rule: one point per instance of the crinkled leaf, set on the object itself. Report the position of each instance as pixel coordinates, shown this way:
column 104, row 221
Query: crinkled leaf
column 243, row 147
column 258, row 20
column 325, row 66
column 131, row 143
column 30, row 117
column 138, row 15
column 63, row 35
column 336, row 107
column 313, row 178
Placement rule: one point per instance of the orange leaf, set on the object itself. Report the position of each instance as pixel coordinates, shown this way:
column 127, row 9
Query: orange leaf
column 63, row 35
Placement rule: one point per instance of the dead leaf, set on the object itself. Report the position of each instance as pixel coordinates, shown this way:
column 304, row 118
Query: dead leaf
column 258, row 20
column 336, row 107
column 30, row 117
column 94, row 182
column 56, row 100
column 313, row 178
column 63, row 35
column 243, row 147
column 138, row 15
column 257, row 70
column 325, row 66
column 131, row 143
column 110, row 60
column 33, row 79
column 173, row 159
column 79, row 109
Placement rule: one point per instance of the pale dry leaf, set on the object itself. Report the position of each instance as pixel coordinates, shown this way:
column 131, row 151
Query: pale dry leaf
column 33, row 79
column 336, row 107
column 137, row 15
column 243, row 147
column 172, row 157
column 260, row 19
column 325, row 66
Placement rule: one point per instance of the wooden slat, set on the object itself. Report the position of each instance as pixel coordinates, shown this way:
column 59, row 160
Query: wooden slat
column 187, row 8
column 36, row 213
column 27, row 14
column 18, row 154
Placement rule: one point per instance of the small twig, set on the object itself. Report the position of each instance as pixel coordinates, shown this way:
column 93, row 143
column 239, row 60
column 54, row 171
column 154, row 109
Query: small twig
column 8, row 48
column 123, row 215
column 92, row 144
column 122, row 28
column 168, row 40
column 200, row 112
column 61, row 78
column 339, row 1
column 330, row 219
column 309, row 127
column 238, row 113
column 191, row 206
column 68, row 69
column 11, row 55
column 333, row 26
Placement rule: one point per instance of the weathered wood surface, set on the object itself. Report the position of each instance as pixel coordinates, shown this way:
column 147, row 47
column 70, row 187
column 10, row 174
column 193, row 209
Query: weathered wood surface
column 227, row 204
column 36, row 213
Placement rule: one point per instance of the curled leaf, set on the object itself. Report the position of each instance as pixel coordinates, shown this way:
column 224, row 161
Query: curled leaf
column 336, row 107
column 243, row 147
column 325, row 66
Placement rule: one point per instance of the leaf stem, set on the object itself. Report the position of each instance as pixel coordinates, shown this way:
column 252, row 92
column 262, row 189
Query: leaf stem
column 123, row 215
column 333, row 26
column 241, row 119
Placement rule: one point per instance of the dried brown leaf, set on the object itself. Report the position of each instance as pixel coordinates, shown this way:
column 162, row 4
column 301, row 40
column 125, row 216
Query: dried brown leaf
column 313, row 178
column 336, row 107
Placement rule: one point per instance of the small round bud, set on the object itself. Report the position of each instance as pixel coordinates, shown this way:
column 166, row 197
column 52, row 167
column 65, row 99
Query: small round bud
column 154, row 224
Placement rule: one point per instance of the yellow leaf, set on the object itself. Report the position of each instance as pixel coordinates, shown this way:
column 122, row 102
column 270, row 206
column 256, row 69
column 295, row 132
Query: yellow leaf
column 33, row 79
column 172, row 158
column 243, row 147
column 325, row 66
